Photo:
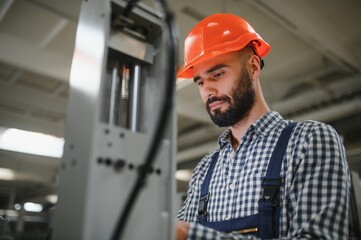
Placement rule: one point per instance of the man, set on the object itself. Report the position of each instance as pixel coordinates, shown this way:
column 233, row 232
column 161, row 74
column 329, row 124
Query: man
column 237, row 192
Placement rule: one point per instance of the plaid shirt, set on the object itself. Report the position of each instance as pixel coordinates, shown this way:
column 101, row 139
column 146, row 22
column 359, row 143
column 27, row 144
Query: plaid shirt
column 315, row 189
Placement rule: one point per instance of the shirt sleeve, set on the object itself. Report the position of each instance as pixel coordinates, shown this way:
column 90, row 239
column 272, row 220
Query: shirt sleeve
column 188, row 211
column 182, row 212
column 317, row 199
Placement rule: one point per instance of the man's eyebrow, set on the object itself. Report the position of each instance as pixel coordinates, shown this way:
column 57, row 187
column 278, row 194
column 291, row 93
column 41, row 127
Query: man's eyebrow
column 212, row 69
column 218, row 66
column 196, row 78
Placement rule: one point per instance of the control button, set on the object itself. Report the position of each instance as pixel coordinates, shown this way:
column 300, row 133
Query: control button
column 119, row 164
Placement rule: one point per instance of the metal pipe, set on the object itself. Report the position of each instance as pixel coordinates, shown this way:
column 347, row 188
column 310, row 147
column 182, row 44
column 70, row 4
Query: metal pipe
column 134, row 108
column 113, row 95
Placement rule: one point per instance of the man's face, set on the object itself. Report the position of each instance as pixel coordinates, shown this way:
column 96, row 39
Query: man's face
column 226, row 89
column 240, row 101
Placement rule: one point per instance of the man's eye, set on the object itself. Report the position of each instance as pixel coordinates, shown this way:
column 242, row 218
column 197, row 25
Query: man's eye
column 218, row 75
column 200, row 83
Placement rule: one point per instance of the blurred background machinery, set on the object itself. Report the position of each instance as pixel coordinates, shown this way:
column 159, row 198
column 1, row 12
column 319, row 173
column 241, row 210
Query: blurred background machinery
column 113, row 182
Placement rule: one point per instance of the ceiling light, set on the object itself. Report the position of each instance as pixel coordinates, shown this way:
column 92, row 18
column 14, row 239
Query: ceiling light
column 17, row 206
column 11, row 213
column 31, row 142
column 52, row 198
column 194, row 13
column 6, row 174
column 183, row 175
column 33, row 207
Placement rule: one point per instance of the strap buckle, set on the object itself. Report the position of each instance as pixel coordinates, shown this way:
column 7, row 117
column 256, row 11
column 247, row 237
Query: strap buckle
column 202, row 206
column 271, row 188
column 269, row 192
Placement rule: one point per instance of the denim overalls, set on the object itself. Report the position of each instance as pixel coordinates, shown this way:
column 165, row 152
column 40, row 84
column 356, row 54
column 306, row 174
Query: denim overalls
column 264, row 224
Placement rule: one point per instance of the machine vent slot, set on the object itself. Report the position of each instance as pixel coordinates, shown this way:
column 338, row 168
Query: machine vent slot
column 121, row 94
column 121, row 105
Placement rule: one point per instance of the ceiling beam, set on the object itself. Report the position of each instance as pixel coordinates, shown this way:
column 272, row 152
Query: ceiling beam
column 307, row 28
column 4, row 8
column 31, row 123
column 189, row 109
column 32, row 99
column 196, row 152
column 189, row 101
column 332, row 112
column 339, row 88
column 25, row 55
column 59, row 26
column 272, row 89
column 30, row 170
column 14, row 76
column 65, row 9
column 198, row 135
column 27, row 162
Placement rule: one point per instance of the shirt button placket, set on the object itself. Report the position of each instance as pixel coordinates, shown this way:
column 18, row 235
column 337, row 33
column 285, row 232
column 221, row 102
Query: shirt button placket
column 231, row 185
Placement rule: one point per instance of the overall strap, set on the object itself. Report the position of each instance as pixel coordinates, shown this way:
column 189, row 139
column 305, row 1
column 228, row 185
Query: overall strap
column 269, row 210
column 203, row 201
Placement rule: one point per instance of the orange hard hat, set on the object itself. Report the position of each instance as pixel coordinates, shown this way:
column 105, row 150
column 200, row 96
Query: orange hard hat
column 218, row 34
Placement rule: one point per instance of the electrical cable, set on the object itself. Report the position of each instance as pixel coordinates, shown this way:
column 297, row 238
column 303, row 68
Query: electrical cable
column 128, row 9
column 163, row 119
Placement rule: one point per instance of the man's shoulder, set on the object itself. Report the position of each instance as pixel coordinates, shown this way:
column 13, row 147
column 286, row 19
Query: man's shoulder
column 308, row 131
column 206, row 160
column 312, row 126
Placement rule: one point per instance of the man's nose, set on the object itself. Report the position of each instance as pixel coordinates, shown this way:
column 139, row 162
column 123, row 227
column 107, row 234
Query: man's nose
column 209, row 89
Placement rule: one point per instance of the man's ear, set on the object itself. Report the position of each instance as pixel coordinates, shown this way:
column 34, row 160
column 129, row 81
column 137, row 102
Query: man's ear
column 254, row 63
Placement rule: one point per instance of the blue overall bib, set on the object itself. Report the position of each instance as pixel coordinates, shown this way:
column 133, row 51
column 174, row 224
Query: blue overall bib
column 264, row 224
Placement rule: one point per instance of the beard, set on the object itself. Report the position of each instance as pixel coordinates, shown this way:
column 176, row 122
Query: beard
column 243, row 96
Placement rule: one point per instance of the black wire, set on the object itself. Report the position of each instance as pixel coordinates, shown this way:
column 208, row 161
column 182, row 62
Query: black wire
column 164, row 117
column 128, row 9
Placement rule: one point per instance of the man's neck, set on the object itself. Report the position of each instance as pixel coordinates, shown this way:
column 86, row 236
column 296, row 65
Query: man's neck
column 240, row 128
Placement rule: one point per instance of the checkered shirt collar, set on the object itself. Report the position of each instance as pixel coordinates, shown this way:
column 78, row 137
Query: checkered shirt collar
column 262, row 127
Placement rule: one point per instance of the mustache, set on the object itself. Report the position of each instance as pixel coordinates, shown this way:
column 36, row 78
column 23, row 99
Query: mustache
column 213, row 99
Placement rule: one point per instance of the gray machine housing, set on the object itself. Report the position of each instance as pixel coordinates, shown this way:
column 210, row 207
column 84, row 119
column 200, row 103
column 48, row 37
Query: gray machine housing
column 117, row 83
